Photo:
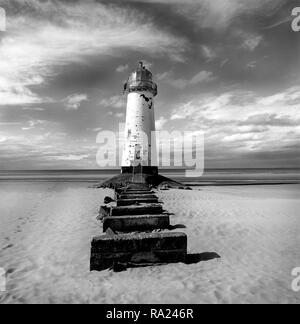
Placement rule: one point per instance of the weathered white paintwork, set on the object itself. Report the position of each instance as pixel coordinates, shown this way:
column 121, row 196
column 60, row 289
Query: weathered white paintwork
column 140, row 123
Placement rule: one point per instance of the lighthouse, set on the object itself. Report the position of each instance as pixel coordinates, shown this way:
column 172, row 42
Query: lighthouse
column 140, row 143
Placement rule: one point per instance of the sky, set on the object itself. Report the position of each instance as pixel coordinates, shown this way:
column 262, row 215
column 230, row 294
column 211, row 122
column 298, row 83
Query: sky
column 228, row 68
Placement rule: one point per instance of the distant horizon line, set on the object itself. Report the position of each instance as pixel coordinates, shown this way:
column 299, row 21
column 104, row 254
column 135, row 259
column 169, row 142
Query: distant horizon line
column 161, row 169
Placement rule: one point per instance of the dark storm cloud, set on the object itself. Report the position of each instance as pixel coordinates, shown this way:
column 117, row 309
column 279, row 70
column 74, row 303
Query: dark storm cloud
column 165, row 17
column 76, row 77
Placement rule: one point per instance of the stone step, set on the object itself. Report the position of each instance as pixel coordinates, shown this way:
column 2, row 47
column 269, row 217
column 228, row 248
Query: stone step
column 138, row 189
column 129, row 202
column 138, row 186
column 146, row 209
column 129, row 196
column 134, row 194
column 140, row 223
column 166, row 247
column 137, row 192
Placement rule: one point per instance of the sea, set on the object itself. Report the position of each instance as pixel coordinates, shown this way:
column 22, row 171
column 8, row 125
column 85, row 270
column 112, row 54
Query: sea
column 209, row 177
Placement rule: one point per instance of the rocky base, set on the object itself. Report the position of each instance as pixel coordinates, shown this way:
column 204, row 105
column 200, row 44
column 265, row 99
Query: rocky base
column 156, row 181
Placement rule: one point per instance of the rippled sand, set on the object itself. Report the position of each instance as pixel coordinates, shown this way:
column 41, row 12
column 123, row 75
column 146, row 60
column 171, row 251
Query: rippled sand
column 46, row 229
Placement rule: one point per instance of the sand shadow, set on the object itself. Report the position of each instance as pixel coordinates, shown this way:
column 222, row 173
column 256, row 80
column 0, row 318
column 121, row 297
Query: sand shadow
column 174, row 227
column 201, row 257
column 190, row 259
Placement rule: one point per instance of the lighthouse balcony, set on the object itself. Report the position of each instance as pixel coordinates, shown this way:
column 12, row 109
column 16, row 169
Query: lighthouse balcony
column 134, row 86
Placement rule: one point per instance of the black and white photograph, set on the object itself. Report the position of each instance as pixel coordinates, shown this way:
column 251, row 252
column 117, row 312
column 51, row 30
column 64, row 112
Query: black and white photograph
column 149, row 154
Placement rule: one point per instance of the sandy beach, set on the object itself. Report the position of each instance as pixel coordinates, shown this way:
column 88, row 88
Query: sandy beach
column 46, row 230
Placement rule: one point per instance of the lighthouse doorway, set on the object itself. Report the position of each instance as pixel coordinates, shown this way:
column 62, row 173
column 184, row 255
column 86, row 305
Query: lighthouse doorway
column 137, row 170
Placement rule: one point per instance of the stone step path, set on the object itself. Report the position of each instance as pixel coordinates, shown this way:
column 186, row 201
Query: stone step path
column 134, row 249
column 136, row 231
column 132, row 223
column 134, row 196
column 142, row 209
column 138, row 192
column 136, row 201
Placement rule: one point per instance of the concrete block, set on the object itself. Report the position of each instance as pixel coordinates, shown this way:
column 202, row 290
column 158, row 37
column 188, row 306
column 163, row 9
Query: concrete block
column 129, row 202
column 138, row 186
column 150, row 209
column 104, row 212
column 151, row 248
column 134, row 193
column 108, row 200
column 129, row 196
column 141, row 223
column 137, row 192
column 137, row 189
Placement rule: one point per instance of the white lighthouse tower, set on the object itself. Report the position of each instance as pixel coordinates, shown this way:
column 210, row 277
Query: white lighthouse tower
column 140, row 123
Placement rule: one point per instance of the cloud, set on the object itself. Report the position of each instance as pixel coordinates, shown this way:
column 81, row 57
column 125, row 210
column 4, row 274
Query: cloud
column 271, row 120
column 71, row 157
column 33, row 123
column 116, row 102
column 249, row 137
column 97, row 129
column 52, row 49
column 197, row 108
column 65, row 33
column 43, row 149
column 290, row 97
column 74, row 102
column 208, row 53
column 252, row 65
column 119, row 115
column 3, row 139
column 160, row 123
column 240, row 121
column 280, row 22
column 201, row 77
column 122, row 68
column 15, row 91
column 163, row 76
column 252, row 42
column 179, row 83
column 116, row 114
column 33, row 108
column 218, row 14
